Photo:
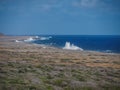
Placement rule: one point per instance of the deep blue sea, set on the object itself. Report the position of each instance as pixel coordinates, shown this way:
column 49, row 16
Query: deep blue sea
column 102, row 43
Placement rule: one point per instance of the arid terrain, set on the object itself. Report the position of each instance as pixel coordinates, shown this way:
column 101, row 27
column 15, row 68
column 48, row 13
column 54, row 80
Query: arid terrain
column 25, row 66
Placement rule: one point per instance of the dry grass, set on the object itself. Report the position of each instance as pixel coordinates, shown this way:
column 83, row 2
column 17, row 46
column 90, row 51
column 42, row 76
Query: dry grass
column 30, row 67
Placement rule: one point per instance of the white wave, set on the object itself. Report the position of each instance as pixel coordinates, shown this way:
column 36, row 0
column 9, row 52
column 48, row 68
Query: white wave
column 30, row 39
column 45, row 38
column 17, row 41
column 71, row 47
column 36, row 37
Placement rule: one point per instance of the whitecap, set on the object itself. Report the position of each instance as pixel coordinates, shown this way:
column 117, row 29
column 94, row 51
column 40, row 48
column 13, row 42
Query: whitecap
column 17, row 41
column 30, row 39
column 45, row 38
column 71, row 47
column 36, row 37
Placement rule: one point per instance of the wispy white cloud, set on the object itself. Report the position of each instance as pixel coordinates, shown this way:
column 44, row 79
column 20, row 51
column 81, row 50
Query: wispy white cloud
column 101, row 4
column 87, row 3
column 59, row 5
column 47, row 5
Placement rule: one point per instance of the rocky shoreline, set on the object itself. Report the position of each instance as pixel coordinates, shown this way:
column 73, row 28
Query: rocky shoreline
column 25, row 66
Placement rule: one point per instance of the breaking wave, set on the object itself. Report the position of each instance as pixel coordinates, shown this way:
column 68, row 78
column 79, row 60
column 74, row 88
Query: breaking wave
column 30, row 39
column 71, row 47
column 36, row 37
column 17, row 41
column 45, row 38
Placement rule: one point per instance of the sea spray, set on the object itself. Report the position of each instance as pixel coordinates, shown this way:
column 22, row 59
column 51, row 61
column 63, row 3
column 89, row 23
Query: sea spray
column 36, row 37
column 30, row 39
column 71, row 47
column 45, row 38
column 17, row 41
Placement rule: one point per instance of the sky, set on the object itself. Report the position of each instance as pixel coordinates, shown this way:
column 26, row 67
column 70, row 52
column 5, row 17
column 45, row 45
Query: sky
column 60, row 17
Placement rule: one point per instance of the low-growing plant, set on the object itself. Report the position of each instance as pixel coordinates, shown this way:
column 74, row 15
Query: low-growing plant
column 78, row 88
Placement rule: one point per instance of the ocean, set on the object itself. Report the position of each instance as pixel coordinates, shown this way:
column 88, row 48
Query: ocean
column 101, row 43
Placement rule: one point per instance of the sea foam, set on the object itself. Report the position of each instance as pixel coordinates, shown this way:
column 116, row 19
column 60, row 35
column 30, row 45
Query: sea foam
column 45, row 38
column 17, row 41
column 30, row 39
column 71, row 47
column 36, row 37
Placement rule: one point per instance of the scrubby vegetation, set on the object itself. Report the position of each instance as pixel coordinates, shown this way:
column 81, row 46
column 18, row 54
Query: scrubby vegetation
column 27, row 68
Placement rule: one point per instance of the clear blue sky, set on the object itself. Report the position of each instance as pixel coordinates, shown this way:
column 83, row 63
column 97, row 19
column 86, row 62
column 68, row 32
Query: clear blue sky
column 81, row 17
